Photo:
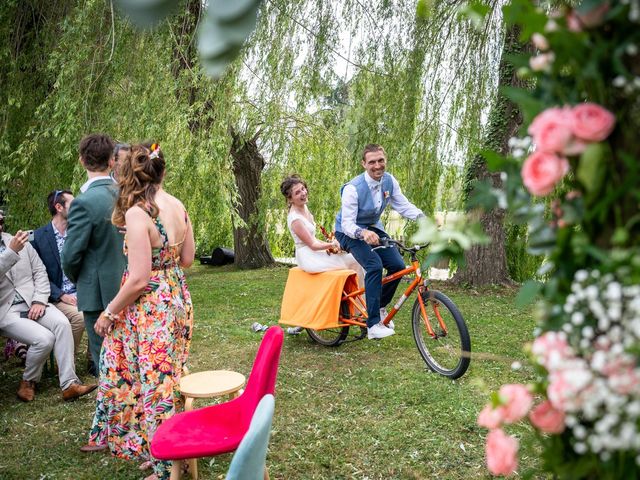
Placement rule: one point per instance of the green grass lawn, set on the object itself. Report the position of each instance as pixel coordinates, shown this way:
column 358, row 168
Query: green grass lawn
column 365, row 410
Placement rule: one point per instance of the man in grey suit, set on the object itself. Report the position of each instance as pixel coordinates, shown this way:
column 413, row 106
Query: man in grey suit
column 92, row 256
column 26, row 317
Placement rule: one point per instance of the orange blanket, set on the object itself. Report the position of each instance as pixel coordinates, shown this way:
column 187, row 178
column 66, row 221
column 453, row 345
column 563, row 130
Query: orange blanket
column 312, row 300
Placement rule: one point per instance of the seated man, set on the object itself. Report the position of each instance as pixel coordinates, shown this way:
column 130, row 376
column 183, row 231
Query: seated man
column 359, row 229
column 26, row 317
column 48, row 242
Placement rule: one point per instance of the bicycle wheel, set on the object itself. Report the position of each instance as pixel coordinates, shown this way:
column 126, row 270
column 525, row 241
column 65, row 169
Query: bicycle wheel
column 448, row 352
column 331, row 337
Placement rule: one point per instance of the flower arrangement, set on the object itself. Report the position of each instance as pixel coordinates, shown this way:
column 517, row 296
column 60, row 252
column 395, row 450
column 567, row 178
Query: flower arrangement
column 574, row 181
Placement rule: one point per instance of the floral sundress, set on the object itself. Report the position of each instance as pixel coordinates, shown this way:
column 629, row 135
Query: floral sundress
column 142, row 359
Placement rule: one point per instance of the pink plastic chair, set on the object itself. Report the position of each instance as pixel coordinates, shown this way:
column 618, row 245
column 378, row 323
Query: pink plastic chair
column 218, row 429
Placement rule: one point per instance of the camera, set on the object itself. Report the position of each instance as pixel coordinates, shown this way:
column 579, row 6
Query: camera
column 30, row 233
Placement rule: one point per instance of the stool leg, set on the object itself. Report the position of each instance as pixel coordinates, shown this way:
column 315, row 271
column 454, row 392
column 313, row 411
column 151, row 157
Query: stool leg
column 176, row 470
column 266, row 473
column 193, row 468
column 188, row 404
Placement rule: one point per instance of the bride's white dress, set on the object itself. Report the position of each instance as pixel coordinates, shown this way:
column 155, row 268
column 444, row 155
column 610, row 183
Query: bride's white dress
column 315, row 261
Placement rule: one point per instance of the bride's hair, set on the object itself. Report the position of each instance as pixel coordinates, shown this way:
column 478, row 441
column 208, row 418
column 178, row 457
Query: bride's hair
column 288, row 183
column 139, row 178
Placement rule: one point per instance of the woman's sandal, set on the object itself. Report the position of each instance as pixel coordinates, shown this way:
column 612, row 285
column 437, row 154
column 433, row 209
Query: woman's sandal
column 92, row 448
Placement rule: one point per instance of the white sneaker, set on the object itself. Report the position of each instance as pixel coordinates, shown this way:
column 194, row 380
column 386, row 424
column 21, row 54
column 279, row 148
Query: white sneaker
column 294, row 330
column 379, row 330
column 383, row 315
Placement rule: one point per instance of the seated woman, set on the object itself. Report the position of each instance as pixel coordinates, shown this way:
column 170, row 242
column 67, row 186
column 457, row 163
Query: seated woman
column 312, row 255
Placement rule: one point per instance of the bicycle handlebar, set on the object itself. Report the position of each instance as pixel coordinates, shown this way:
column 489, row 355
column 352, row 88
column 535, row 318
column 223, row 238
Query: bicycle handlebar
column 386, row 242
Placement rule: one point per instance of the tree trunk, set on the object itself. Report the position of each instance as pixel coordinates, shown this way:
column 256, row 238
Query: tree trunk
column 487, row 264
column 250, row 242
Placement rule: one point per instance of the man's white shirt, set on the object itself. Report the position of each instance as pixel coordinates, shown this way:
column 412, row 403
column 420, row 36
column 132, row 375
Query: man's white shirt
column 86, row 185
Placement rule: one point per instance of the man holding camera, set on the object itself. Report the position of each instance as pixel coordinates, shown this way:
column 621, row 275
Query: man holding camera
column 26, row 317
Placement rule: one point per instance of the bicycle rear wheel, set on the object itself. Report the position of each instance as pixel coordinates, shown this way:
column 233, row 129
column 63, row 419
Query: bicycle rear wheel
column 446, row 353
column 331, row 337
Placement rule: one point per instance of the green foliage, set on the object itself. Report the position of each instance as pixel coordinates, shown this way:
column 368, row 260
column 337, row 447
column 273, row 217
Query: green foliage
column 449, row 241
column 584, row 221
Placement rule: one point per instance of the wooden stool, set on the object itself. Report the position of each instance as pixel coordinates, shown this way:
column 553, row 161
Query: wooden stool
column 209, row 384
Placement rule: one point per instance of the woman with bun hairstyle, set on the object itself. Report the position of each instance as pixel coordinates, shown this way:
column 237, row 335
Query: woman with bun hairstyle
column 148, row 325
column 312, row 255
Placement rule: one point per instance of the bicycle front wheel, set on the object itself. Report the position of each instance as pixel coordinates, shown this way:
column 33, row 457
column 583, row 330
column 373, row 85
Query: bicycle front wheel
column 447, row 352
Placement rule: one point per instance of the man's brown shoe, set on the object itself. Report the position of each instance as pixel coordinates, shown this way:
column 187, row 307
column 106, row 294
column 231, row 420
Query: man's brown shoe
column 27, row 390
column 76, row 390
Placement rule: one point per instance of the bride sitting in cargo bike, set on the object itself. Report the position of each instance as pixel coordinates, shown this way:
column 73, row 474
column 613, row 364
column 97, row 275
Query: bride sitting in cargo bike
column 312, row 255
column 331, row 306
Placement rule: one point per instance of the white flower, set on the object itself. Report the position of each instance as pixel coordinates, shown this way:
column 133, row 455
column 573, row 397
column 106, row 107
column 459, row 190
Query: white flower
column 633, row 409
column 580, row 448
column 541, row 43
column 591, row 292
column 580, row 432
column 577, row 318
column 587, row 332
column 619, row 81
column 551, row 26
column 581, row 275
column 542, row 62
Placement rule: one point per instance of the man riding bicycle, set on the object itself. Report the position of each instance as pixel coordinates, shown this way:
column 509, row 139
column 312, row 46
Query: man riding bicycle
column 359, row 229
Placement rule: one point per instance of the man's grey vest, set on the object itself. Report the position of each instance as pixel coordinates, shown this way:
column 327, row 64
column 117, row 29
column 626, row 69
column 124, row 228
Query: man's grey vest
column 368, row 215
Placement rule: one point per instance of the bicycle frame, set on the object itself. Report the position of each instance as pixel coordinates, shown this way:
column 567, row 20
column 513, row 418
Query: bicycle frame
column 355, row 299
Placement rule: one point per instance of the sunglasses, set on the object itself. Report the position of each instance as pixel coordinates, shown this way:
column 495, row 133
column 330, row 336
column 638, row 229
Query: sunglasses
column 56, row 195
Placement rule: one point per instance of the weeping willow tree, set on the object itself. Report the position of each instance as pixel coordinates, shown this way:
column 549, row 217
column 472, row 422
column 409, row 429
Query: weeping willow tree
column 317, row 79
column 70, row 68
column 326, row 78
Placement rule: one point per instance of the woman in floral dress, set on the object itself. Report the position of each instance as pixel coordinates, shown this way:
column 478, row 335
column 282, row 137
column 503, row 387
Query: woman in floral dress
column 148, row 325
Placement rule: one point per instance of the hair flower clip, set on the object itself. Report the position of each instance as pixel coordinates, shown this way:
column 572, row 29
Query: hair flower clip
column 155, row 151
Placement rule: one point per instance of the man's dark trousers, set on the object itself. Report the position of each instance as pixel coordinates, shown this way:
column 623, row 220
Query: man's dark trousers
column 373, row 261
column 95, row 340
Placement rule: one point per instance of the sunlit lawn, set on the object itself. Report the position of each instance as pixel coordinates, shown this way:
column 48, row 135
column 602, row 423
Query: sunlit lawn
column 363, row 410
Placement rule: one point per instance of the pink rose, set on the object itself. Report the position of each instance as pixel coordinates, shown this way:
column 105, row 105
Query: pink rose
column 491, row 417
column 547, row 419
column 541, row 171
column 501, row 450
column 592, row 123
column 517, row 402
column 552, row 130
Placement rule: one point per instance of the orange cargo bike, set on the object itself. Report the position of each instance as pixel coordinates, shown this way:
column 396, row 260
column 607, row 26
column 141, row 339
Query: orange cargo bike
column 438, row 327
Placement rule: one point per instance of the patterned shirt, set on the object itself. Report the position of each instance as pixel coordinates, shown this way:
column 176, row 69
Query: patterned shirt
column 67, row 286
column 17, row 297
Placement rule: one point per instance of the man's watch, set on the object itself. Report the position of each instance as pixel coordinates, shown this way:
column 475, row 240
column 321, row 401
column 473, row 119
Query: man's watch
column 36, row 302
column 358, row 233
